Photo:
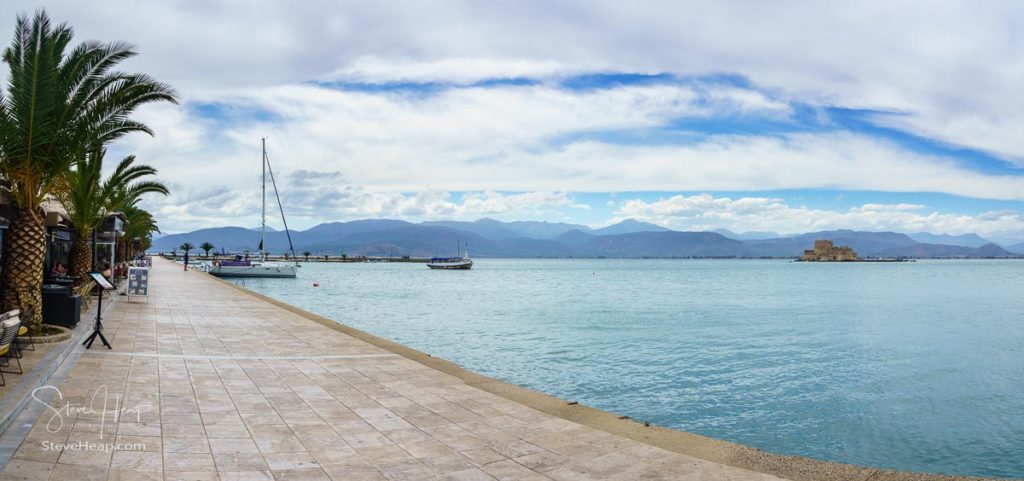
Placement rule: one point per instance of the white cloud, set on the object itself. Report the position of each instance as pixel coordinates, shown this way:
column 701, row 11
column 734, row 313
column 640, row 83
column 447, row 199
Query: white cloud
column 312, row 197
column 706, row 212
column 325, row 199
column 530, row 138
column 495, row 203
column 949, row 72
column 843, row 161
column 507, row 139
column 952, row 69
column 463, row 71
column 460, row 139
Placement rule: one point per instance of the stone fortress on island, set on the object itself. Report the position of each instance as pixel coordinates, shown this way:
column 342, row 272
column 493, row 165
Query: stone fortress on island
column 824, row 251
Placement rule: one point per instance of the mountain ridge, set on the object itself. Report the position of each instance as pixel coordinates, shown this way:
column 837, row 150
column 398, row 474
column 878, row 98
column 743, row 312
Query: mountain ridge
column 1016, row 248
column 967, row 240
column 627, row 239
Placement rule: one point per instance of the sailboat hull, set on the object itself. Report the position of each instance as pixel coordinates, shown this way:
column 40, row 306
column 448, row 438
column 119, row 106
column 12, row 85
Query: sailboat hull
column 284, row 271
column 452, row 266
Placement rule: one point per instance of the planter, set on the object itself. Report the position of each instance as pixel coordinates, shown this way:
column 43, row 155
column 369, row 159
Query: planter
column 51, row 334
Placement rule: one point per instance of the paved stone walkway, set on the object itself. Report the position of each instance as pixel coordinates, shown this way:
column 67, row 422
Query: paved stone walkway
column 207, row 383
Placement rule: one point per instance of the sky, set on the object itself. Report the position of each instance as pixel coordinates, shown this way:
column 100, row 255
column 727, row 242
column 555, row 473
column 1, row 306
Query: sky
column 782, row 116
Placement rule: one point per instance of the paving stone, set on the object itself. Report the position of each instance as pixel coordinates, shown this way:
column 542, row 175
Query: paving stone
column 137, row 460
column 188, row 462
column 24, row 470
column 186, row 445
column 134, row 475
column 65, row 472
column 239, row 462
column 233, row 445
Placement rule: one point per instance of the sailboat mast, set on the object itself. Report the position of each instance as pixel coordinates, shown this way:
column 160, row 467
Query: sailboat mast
column 263, row 214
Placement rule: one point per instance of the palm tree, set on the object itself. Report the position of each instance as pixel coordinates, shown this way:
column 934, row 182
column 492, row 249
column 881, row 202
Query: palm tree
column 206, row 247
column 306, row 254
column 140, row 227
column 89, row 199
column 59, row 103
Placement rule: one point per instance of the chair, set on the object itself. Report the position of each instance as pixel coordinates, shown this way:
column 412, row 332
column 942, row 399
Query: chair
column 17, row 312
column 84, row 292
column 8, row 331
column 18, row 343
column 13, row 323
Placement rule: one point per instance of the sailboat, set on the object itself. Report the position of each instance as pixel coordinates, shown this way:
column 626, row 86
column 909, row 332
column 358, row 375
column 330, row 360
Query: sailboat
column 262, row 267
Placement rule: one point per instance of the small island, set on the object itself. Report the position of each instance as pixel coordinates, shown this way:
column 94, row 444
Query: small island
column 824, row 251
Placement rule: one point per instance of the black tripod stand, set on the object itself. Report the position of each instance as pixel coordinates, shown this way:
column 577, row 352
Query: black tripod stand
column 103, row 285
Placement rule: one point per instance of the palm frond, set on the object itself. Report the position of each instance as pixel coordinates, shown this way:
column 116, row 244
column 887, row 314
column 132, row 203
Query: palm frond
column 60, row 102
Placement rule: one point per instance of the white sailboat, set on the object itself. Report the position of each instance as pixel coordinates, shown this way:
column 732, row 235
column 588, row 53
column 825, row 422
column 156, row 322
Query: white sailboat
column 261, row 267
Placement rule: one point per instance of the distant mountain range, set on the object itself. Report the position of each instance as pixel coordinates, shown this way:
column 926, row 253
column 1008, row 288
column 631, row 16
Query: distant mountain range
column 752, row 235
column 627, row 239
column 967, row 240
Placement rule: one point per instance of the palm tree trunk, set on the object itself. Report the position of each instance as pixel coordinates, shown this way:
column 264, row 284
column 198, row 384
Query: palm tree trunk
column 81, row 259
column 24, row 252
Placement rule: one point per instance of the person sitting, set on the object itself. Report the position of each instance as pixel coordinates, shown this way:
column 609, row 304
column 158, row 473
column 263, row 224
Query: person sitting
column 59, row 270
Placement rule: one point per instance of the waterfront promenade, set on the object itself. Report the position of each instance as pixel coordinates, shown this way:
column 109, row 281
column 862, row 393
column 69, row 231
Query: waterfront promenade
column 211, row 382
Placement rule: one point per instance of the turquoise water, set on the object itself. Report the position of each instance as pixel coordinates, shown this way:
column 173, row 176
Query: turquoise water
column 912, row 366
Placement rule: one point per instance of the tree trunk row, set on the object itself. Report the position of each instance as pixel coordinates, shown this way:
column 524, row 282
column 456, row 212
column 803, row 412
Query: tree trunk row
column 22, row 278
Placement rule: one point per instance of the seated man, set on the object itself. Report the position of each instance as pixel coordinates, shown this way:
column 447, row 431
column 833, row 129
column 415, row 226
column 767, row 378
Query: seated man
column 59, row 270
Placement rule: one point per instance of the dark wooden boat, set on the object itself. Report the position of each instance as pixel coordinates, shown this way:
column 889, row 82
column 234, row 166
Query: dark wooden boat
column 461, row 263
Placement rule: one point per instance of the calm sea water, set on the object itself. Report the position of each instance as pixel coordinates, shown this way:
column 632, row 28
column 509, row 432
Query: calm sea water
column 913, row 366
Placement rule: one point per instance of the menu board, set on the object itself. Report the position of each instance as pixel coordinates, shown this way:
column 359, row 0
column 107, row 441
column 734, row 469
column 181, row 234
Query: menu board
column 102, row 281
column 138, row 282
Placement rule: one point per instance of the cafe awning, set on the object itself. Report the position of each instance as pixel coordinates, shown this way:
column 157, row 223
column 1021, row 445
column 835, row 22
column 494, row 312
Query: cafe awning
column 55, row 214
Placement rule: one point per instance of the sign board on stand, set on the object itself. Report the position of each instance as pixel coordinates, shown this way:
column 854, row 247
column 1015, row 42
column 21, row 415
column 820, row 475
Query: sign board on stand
column 102, row 281
column 97, row 330
column 138, row 283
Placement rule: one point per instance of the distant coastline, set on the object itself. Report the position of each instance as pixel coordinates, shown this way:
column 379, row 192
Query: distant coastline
column 488, row 238
column 193, row 258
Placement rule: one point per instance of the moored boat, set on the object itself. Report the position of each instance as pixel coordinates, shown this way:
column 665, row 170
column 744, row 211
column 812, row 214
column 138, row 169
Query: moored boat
column 262, row 267
column 462, row 262
column 242, row 268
